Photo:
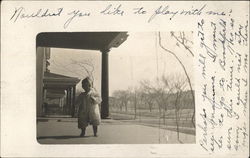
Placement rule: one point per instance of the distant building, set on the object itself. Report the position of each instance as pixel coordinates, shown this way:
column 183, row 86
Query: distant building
column 54, row 91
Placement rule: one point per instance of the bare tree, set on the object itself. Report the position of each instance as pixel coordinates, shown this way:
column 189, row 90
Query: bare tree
column 183, row 41
column 168, row 91
column 75, row 67
column 113, row 103
column 135, row 103
column 179, row 85
column 156, row 93
column 147, row 93
column 122, row 96
column 86, row 65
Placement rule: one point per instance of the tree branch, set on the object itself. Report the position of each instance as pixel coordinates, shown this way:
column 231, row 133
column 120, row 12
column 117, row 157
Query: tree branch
column 182, row 42
column 183, row 67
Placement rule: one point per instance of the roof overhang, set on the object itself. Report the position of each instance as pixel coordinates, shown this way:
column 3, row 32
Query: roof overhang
column 81, row 40
column 59, row 82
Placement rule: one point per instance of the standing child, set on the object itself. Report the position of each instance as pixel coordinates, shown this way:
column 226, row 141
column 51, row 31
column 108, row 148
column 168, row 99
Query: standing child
column 88, row 112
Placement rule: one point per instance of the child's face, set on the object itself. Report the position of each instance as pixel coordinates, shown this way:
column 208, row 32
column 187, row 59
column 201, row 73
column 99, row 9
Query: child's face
column 86, row 86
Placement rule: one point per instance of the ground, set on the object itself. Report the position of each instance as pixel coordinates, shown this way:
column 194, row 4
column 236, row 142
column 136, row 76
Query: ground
column 65, row 131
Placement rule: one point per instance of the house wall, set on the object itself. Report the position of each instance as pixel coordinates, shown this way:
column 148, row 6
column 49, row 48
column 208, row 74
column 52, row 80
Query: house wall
column 42, row 54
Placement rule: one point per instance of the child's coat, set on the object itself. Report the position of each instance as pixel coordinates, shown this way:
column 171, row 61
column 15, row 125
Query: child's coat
column 88, row 112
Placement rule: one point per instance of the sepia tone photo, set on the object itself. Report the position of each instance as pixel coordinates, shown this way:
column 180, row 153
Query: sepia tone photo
column 125, row 79
column 115, row 88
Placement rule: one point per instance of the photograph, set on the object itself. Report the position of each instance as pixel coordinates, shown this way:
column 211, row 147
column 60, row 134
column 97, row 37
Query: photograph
column 116, row 79
column 115, row 88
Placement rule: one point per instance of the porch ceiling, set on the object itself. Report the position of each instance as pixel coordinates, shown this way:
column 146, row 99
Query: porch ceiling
column 81, row 40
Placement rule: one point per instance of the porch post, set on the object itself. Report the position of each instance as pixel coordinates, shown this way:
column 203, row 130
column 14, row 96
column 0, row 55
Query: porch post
column 44, row 100
column 73, row 102
column 70, row 100
column 67, row 102
column 105, row 85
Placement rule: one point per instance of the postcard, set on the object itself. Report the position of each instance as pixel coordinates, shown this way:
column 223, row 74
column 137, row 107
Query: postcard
column 125, row 79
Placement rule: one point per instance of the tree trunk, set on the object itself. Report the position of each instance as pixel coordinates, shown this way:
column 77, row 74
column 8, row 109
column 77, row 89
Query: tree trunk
column 185, row 71
column 164, row 120
column 121, row 107
column 135, row 102
column 176, row 116
column 150, row 106
column 126, row 107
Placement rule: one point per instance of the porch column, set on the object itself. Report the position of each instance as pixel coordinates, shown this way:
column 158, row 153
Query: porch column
column 105, row 85
column 67, row 101
column 73, row 102
column 70, row 100
column 44, row 100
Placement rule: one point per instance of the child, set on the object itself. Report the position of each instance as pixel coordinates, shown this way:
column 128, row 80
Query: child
column 88, row 112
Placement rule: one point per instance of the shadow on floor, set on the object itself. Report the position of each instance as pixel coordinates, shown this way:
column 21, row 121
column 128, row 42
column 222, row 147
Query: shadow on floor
column 61, row 137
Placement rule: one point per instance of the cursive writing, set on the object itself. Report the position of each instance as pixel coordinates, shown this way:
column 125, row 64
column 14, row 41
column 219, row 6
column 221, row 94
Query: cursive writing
column 203, row 141
column 229, row 138
column 221, row 13
column 230, row 82
column 110, row 10
column 20, row 13
column 246, row 63
column 140, row 11
column 210, row 52
column 222, row 33
column 214, row 142
column 202, row 61
column 238, row 57
column 75, row 14
column 163, row 10
column 194, row 11
column 213, row 25
column 229, row 108
column 237, row 85
column 245, row 103
column 172, row 13
column 245, row 135
column 224, row 91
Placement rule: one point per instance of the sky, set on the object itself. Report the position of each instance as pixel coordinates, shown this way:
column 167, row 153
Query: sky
column 139, row 58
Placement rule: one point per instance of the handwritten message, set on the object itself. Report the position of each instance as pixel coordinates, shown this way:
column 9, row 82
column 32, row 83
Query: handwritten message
column 223, row 67
column 166, row 11
column 222, row 59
